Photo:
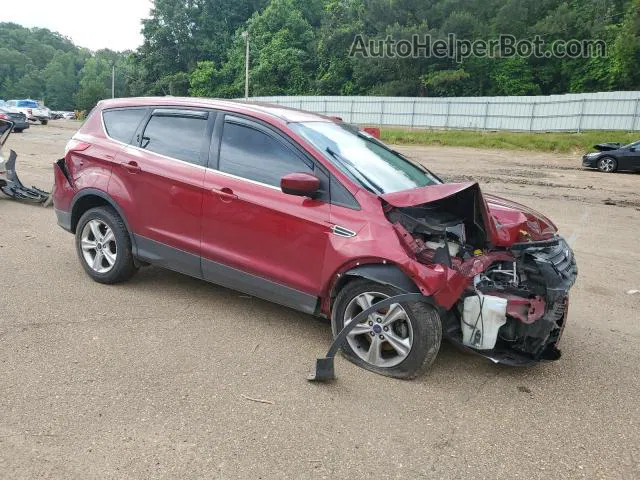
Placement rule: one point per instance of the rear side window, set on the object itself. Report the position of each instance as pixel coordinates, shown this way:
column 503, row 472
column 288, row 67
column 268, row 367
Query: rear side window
column 122, row 124
column 249, row 153
column 176, row 137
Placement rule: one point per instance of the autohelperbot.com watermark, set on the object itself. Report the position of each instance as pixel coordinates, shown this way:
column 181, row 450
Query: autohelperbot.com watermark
column 452, row 47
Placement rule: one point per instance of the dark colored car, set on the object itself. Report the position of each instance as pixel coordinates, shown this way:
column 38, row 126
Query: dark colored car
column 613, row 157
column 307, row 212
column 18, row 119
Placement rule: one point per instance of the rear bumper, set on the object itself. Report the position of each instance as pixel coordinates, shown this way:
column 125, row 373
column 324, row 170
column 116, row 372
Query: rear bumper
column 64, row 219
column 21, row 125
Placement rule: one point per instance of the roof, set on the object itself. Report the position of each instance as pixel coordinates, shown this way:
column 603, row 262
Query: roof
column 285, row 114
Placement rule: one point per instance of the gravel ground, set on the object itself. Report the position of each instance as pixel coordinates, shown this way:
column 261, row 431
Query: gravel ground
column 149, row 379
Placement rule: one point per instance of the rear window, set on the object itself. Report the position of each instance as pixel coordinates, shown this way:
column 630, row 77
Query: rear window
column 27, row 104
column 122, row 124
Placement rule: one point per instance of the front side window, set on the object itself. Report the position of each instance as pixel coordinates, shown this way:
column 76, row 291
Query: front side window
column 249, row 153
column 176, row 137
column 121, row 124
column 365, row 160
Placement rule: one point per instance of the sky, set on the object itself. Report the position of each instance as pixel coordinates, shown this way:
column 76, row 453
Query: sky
column 92, row 24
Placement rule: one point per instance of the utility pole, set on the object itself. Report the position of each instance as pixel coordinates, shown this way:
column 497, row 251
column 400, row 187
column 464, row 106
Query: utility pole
column 245, row 35
column 113, row 81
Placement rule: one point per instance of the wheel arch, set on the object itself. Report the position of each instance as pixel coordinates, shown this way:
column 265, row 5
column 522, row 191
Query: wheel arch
column 89, row 198
column 384, row 273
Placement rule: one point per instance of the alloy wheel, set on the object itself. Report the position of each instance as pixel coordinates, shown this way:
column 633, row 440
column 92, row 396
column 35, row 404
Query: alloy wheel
column 385, row 338
column 607, row 165
column 99, row 247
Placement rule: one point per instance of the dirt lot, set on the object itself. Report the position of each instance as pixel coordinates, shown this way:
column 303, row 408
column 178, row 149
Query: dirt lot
column 148, row 379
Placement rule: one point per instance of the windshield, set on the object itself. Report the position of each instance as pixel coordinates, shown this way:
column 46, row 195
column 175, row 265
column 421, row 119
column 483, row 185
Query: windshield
column 27, row 103
column 365, row 160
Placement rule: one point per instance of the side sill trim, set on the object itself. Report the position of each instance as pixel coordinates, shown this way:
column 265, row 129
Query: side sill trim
column 166, row 256
column 172, row 258
column 258, row 287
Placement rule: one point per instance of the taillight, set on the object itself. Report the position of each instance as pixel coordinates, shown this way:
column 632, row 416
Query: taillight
column 4, row 116
column 75, row 146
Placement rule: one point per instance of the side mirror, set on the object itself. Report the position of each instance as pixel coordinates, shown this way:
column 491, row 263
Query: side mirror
column 300, row 184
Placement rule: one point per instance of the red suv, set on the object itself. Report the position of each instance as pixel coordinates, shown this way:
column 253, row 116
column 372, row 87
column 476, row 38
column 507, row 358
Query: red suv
column 313, row 214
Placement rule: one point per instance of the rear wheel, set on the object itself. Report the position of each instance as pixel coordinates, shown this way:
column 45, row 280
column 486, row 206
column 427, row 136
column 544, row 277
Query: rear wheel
column 399, row 341
column 104, row 246
column 607, row 165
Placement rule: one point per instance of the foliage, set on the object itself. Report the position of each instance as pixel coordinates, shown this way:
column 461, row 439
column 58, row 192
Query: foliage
column 196, row 47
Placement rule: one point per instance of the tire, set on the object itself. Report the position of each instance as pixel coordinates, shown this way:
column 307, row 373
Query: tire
column 420, row 326
column 44, row 122
column 92, row 236
column 607, row 164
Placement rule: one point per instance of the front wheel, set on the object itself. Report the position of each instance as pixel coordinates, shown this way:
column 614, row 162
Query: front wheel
column 44, row 122
column 104, row 246
column 607, row 165
column 400, row 341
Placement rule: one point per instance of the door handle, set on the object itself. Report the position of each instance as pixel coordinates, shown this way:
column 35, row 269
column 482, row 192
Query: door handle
column 225, row 194
column 132, row 167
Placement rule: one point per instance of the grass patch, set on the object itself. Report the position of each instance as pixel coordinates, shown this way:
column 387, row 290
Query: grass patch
column 575, row 143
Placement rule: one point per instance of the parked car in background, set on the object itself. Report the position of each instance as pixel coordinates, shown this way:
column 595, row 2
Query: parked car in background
column 18, row 119
column 613, row 157
column 32, row 110
column 305, row 211
column 69, row 115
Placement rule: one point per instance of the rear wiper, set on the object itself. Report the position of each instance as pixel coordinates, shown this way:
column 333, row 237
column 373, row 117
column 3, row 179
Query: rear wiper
column 359, row 176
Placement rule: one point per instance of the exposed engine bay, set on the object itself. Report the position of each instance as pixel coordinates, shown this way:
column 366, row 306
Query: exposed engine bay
column 513, row 298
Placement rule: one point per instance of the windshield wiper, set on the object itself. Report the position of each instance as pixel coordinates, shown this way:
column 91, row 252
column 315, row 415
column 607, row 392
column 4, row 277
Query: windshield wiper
column 359, row 176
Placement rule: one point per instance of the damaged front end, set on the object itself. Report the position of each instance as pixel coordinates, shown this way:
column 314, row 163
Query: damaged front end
column 10, row 184
column 508, row 272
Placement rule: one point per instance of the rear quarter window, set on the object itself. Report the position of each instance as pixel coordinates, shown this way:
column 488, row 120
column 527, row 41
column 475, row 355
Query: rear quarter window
column 121, row 124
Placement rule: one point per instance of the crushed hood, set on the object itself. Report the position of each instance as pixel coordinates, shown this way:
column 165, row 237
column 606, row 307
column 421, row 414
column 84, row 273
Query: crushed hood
column 607, row 147
column 504, row 222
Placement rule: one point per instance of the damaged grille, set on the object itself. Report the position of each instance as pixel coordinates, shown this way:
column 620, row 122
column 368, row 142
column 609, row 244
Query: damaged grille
column 552, row 268
column 561, row 257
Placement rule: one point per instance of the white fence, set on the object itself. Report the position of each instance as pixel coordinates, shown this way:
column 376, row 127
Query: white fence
column 574, row 112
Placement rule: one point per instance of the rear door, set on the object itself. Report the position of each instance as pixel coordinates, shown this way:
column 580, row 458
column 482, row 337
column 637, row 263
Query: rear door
column 159, row 181
column 255, row 238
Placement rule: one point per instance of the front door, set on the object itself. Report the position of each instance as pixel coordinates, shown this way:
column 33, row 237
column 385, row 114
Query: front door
column 254, row 237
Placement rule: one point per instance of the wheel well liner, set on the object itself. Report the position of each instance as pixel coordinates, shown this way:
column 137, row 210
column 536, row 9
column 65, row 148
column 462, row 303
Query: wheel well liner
column 386, row 274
